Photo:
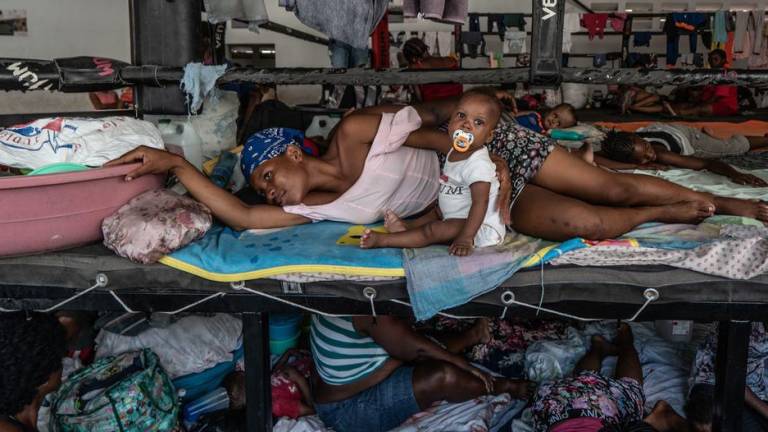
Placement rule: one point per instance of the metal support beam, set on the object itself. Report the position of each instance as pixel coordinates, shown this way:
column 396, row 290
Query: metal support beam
column 730, row 375
column 258, row 368
column 547, row 42
column 25, row 75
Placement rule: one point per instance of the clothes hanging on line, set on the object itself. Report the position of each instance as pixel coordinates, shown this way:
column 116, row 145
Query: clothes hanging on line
column 686, row 24
column 571, row 25
column 515, row 42
column 448, row 11
column 472, row 44
column 342, row 20
column 253, row 11
column 617, row 21
column 595, row 24
column 642, row 39
column 720, row 31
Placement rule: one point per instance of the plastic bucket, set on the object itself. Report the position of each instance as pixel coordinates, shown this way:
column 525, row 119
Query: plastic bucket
column 284, row 326
column 278, row 347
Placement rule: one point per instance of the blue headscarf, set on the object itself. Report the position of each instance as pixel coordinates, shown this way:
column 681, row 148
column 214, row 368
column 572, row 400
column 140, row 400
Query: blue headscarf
column 270, row 143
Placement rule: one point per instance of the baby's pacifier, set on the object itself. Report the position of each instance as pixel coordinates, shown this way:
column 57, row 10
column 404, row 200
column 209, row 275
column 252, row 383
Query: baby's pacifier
column 462, row 140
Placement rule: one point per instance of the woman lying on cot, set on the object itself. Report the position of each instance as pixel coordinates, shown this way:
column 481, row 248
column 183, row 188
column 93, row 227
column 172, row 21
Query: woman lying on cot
column 370, row 168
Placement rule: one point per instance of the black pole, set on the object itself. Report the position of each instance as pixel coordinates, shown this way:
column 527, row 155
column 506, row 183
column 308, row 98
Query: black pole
column 730, row 375
column 547, row 42
column 258, row 387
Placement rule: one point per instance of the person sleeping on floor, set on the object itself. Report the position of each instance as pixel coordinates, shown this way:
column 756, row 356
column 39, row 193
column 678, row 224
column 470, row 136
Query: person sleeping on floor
column 384, row 158
column 661, row 146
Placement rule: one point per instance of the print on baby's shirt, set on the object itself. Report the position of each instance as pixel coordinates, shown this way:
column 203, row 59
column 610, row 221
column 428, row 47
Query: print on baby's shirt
column 447, row 188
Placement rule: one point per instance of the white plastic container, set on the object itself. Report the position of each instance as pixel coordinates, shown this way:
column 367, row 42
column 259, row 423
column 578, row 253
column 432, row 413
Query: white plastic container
column 675, row 330
column 322, row 125
column 180, row 138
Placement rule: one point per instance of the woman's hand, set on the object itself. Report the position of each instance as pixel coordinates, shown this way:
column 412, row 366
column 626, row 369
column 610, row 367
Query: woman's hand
column 507, row 100
column 153, row 161
column 748, row 180
column 505, row 188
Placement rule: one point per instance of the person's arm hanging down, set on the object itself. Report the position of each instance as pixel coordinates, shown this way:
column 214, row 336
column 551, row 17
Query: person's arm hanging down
column 712, row 165
column 403, row 343
column 223, row 204
column 464, row 243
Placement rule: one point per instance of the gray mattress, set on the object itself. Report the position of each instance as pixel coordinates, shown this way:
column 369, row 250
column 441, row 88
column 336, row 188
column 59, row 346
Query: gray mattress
column 76, row 269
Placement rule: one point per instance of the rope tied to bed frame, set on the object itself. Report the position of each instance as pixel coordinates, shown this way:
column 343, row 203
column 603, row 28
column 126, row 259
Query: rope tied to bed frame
column 508, row 299
column 101, row 281
column 240, row 286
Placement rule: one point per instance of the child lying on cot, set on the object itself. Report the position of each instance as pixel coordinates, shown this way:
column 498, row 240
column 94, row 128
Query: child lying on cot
column 467, row 215
column 660, row 145
column 562, row 116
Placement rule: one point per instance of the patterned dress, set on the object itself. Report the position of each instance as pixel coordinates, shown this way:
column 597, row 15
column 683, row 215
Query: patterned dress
column 616, row 402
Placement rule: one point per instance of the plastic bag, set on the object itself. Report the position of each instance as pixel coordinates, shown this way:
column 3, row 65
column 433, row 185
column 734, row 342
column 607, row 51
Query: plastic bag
column 548, row 360
column 91, row 142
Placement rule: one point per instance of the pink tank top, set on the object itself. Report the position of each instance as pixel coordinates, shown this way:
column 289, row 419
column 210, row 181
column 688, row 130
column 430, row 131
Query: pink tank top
column 402, row 179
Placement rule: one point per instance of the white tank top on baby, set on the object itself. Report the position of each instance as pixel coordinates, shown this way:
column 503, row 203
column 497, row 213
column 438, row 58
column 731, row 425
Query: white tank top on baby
column 402, row 179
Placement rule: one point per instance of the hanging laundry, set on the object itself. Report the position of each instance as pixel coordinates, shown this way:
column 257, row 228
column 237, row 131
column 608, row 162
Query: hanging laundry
column 571, row 25
column 599, row 60
column 742, row 21
column 446, row 41
column 342, row 20
column 758, row 18
column 720, row 32
column 497, row 20
column 759, row 60
column 430, row 39
column 617, row 21
column 698, row 60
column 742, row 44
column 472, row 44
column 252, row 11
column 474, row 22
column 515, row 21
column 682, row 23
column 595, row 24
column 642, row 39
column 515, row 42
column 450, row 11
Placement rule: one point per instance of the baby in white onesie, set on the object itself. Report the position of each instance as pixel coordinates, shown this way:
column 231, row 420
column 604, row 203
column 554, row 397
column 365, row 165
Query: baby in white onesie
column 467, row 215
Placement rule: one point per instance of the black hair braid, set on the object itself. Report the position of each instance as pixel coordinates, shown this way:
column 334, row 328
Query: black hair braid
column 618, row 146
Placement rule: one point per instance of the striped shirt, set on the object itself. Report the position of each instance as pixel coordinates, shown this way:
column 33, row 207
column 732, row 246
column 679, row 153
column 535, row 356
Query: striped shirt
column 341, row 354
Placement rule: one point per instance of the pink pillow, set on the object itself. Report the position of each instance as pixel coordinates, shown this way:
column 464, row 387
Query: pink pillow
column 155, row 224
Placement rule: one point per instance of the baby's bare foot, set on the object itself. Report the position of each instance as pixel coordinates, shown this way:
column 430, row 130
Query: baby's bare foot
column 370, row 239
column 393, row 223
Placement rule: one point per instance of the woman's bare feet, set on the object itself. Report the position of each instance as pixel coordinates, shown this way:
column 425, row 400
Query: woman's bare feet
column 691, row 212
column 393, row 223
column 741, row 207
column 371, row 239
column 480, row 331
column 603, row 347
column 587, row 153
column 664, row 418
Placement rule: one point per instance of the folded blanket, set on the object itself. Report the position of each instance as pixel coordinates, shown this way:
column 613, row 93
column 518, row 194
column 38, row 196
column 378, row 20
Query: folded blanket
column 225, row 255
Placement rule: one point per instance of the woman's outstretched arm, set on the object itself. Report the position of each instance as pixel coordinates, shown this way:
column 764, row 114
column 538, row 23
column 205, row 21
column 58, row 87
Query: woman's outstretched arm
column 225, row 206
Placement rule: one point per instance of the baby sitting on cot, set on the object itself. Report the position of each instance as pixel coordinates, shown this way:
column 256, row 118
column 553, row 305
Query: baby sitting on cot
column 466, row 215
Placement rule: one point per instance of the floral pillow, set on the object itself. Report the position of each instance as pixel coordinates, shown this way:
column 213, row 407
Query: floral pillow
column 155, row 224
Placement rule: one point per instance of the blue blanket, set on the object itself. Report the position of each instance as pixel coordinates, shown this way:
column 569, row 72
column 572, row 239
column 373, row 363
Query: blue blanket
column 225, row 255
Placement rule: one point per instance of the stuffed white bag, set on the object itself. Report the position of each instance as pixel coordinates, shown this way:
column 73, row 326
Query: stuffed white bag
column 87, row 141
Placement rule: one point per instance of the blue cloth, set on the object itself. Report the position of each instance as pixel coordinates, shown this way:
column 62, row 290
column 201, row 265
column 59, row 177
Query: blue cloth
column 229, row 256
column 437, row 281
column 380, row 408
column 270, row 143
column 199, row 81
column 599, row 60
column 344, row 55
column 721, row 33
column 642, row 39
column 531, row 121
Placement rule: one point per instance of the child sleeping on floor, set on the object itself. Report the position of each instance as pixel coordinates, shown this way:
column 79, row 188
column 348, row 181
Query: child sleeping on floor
column 562, row 116
column 467, row 215
column 662, row 145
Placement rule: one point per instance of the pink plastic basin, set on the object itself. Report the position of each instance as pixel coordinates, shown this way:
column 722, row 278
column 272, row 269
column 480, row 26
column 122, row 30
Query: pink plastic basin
column 59, row 211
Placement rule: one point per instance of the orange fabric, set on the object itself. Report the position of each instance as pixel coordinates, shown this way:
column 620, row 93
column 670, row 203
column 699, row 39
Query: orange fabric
column 722, row 129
